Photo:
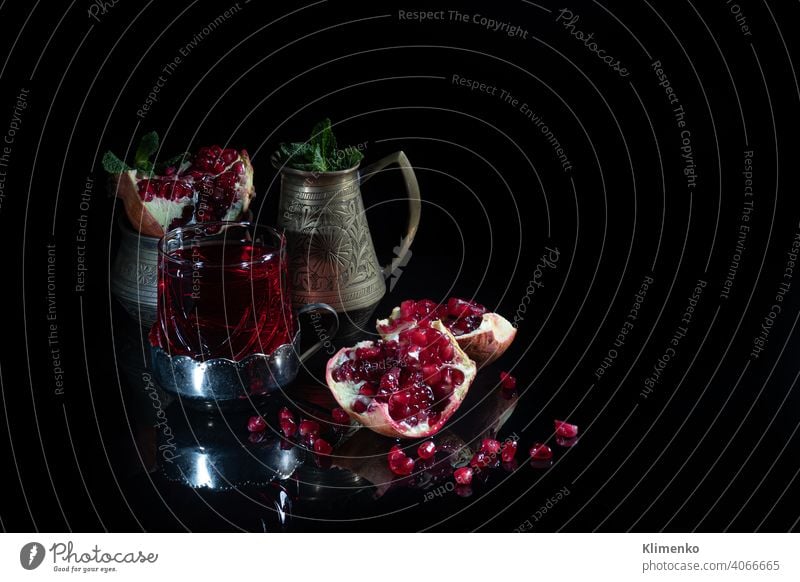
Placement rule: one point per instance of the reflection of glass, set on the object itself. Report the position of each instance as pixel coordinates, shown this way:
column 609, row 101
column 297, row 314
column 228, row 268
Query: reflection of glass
column 222, row 291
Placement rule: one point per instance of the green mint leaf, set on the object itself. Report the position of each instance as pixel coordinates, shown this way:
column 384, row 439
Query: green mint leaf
column 322, row 136
column 318, row 160
column 113, row 165
column 148, row 145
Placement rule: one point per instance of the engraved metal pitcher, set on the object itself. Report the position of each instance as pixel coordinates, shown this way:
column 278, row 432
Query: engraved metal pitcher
column 331, row 256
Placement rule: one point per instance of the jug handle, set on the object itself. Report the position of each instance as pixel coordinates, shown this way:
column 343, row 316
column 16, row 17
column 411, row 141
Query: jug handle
column 414, row 203
column 330, row 332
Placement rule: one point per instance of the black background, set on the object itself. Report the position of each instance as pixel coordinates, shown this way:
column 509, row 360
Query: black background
column 712, row 448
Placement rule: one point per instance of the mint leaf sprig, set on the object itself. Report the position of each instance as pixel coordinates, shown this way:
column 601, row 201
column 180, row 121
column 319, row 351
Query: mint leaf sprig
column 143, row 158
column 319, row 153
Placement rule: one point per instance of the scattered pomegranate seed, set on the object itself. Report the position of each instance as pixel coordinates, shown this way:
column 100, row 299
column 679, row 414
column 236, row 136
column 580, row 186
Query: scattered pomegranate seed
column 322, row 447
column 309, row 427
column 463, row 476
column 285, row 414
column 340, row 416
column 507, row 381
column 426, row 450
column 400, row 464
column 509, row 451
column 541, row 452
column 288, row 427
column 256, row 424
column 490, row 446
column 566, row 430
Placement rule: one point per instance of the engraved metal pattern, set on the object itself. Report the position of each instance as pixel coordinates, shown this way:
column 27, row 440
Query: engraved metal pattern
column 134, row 275
column 331, row 255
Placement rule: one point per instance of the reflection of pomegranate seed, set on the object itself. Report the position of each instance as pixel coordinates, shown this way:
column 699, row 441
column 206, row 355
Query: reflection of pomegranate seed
column 463, row 476
column 541, row 452
column 565, row 442
column 490, row 446
column 463, row 490
column 507, row 381
column 426, row 450
column 509, row 451
column 480, row 460
column 285, row 413
column 340, row 416
column 309, row 427
column 565, row 429
column 322, row 447
column 256, row 424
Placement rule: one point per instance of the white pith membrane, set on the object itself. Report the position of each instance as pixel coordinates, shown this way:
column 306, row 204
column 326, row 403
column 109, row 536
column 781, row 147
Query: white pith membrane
column 484, row 344
column 377, row 416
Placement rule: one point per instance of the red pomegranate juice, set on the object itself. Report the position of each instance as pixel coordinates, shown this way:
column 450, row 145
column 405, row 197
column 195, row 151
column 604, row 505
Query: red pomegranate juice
column 222, row 299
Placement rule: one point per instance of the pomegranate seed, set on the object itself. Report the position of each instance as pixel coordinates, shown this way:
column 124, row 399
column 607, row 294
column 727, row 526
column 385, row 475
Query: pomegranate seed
column 446, row 352
column 509, row 451
column 408, row 309
column 322, row 447
column 359, row 406
column 288, row 427
column 309, row 427
column 507, row 381
column 340, row 416
column 463, row 476
column 566, row 430
column 285, row 414
column 419, row 337
column 490, row 446
column 541, row 452
column 256, row 424
column 457, row 307
column 400, row 464
column 426, row 450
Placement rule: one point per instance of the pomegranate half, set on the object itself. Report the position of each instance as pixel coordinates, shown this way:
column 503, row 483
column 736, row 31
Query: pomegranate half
column 482, row 335
column 406, row 387
column 212, row 185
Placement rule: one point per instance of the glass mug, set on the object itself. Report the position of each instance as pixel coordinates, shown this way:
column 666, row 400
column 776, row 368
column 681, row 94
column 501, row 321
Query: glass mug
column 225, row 326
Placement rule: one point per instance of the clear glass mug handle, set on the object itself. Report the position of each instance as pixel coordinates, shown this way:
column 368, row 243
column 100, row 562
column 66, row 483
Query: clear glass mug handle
column 414, row 203
column 329, row 333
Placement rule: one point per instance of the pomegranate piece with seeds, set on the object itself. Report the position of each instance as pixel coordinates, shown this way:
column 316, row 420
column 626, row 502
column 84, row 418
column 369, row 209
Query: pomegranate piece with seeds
column 212, row 185
column 405, row 387
column 463, row 476
column 565, row 430
column 482, row 335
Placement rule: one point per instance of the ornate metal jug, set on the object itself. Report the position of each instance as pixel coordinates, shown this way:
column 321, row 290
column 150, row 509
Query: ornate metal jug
column 331, row 256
